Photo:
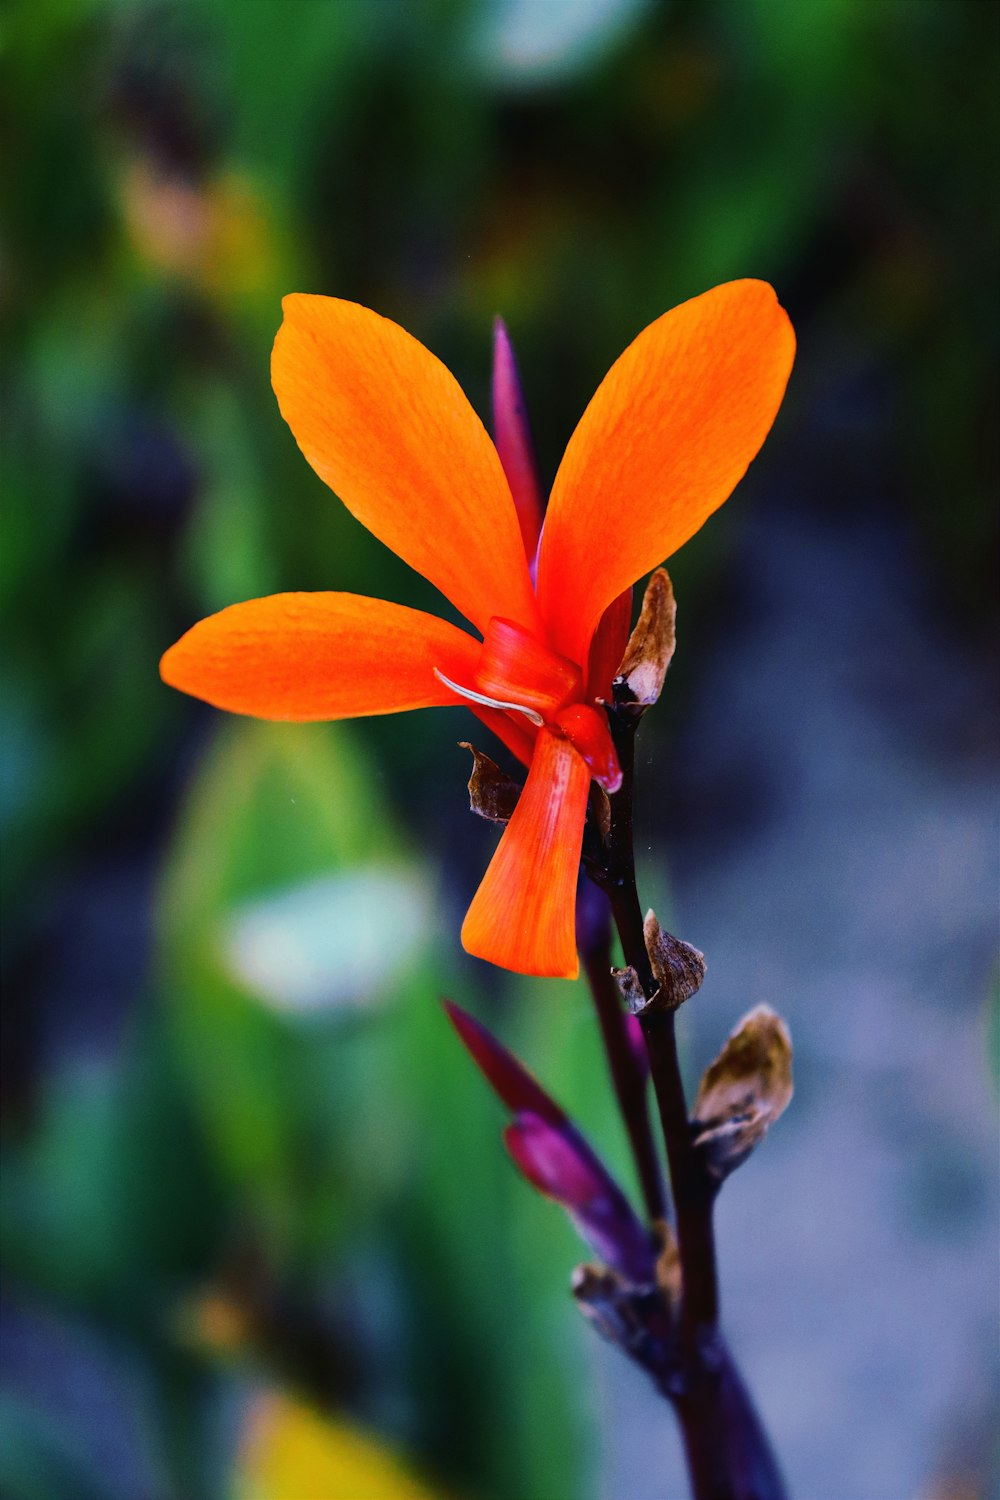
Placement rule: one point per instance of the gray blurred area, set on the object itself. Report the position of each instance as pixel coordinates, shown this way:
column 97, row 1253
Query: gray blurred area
column 855, row 890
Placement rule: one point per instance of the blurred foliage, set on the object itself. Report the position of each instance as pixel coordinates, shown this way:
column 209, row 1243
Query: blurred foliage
column 210, row 1172
column 289, row 1453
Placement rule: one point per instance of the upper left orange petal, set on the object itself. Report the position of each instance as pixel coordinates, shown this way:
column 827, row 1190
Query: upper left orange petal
column 389, row 429
column 319, row 656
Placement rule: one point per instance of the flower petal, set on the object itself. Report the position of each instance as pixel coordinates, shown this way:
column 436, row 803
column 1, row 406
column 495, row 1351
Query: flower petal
column 319, row 656
column 388, row 428
column 670, row 432
column 523, row 915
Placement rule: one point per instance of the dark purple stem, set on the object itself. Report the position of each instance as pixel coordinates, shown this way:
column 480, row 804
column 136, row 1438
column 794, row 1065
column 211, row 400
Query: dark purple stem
column 728, row 1453
column 626, row 1074
column 693, row 1190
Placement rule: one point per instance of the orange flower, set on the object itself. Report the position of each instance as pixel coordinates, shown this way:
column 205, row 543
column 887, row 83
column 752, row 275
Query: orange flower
column 669, row 433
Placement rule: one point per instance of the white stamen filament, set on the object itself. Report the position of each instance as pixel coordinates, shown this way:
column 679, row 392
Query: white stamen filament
column 512, row 708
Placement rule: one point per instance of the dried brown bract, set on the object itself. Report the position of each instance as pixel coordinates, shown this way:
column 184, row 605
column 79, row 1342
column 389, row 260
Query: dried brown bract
column 650, row 648
column 679, row 969
column 630, row 989
column 492, row 793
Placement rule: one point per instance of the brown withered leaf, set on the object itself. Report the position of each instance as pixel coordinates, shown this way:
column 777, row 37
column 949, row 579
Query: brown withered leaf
column 743, row 1091
column 678, row 968
column 606, row 1301
column 630, row 989
column 640, row 1320
column 651, row 645
column 492, row 793
column 620, row 1311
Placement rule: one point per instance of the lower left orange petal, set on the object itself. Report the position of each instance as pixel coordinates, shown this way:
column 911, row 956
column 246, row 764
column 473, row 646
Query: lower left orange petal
column 320, row 656
column 523, row 916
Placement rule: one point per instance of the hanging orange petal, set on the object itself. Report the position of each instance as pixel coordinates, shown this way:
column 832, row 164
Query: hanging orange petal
column 319, row 656
column 667, row 437
column 523, row 915
column 389, row 429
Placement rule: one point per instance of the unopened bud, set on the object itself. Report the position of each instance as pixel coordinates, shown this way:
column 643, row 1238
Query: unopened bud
column 559, row 1163
column 593, row 920
column 743, row 1092
column 506, row 1075
column 555, row 1158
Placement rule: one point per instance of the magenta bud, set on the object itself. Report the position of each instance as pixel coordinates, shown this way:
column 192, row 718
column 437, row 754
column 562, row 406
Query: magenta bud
column 559, row 1163
column 552, row 1162
column 512, row 436
column 509, row 1078
column 554, row 1157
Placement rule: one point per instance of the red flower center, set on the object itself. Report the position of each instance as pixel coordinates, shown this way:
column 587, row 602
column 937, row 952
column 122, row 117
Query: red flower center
column 519, row 674
column 516, row 666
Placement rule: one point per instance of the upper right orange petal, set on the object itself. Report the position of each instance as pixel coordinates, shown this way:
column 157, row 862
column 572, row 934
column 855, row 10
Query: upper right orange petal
column 669, row 433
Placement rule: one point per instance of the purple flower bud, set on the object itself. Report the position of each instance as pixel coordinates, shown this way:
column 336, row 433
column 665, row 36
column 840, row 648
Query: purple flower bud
column 553, row 1162
column 555, row 1158
column 510, row 1079
column 558, row 1161
column 512, row 436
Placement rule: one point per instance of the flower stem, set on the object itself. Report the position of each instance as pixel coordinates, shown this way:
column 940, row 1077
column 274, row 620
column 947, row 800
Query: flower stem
column 626, row 1073
column 728, row 1453
column 694, row 1194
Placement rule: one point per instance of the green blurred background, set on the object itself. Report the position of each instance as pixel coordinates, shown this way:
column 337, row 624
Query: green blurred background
column 242, row 1150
